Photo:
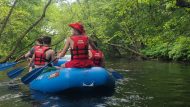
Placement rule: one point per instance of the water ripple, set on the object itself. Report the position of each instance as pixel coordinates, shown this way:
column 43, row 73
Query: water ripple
column 10, row 96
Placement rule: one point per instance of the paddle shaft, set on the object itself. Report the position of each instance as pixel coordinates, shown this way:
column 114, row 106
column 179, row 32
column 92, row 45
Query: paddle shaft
column 29, row 77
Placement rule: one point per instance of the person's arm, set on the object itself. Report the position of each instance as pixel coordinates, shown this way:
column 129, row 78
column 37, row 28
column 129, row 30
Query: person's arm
column 29, row 53
column 31, row 60
column 52, row 55
column 66, row 47
column 89, row 54
column 92, row 45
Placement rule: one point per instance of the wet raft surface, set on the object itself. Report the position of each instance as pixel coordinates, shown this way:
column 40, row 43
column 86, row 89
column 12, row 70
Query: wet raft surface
column 151, row 84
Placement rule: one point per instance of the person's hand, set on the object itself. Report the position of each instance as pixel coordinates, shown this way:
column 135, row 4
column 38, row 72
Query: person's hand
column 29, row 64
column 58, row 57
column 57, row 67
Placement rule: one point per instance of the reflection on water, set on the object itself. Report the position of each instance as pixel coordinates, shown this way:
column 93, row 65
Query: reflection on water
column 146, row 84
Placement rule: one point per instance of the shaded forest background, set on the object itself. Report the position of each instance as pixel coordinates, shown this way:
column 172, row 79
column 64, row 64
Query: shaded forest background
column 158, row 29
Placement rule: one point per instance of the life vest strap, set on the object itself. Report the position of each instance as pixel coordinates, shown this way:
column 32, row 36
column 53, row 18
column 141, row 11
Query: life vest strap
column 40, row 58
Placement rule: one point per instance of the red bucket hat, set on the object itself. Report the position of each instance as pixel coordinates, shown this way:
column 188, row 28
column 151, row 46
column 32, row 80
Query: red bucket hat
column 78, row 26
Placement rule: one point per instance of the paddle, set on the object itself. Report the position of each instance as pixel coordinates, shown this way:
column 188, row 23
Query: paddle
column 117, row 75
column 34, row 74
column 4, row 64
column 14, row 73
column 8, row 65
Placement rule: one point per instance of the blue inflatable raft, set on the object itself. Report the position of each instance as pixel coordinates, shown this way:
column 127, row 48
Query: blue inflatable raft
column 72, row 78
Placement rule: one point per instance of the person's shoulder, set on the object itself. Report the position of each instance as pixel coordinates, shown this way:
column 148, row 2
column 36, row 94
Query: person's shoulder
column 68, row 38
column 32, row 49
column 50, row 51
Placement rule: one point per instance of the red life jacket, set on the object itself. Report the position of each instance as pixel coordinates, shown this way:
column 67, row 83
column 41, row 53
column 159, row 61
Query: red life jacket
column 97, row 57
column 80, row 47
column 40, row 56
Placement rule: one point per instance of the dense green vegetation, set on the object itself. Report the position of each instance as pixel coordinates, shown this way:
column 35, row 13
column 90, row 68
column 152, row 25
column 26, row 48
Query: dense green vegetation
column 123, row 28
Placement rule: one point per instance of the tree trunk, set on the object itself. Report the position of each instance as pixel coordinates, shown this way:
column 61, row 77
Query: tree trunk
column 5, row 21
column 26, row 32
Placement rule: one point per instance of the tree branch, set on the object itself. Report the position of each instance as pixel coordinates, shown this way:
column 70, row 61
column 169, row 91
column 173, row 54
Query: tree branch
column 7, row 18
column 129, row 49
column 26, row 32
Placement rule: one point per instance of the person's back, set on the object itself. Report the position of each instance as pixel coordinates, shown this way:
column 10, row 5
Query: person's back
column 79, row 49
column 29, row 54
column 78, row 44
column 40, row 55
column 43, row 54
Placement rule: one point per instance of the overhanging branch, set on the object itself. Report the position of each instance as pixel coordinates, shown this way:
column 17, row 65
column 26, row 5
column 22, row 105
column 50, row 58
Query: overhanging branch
column 129, row 49
column 26, row 32
column 4, row 23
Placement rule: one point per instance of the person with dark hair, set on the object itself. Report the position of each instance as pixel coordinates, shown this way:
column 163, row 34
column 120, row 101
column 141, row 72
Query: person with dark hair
column 79, row 45
column 43, row 54
column 97, row 56
column 29, row 54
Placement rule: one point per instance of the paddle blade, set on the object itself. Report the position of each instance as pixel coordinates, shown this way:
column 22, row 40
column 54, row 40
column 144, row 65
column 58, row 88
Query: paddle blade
column 7, row 65
column 32, row 75
column 117, row 75
column 14, row 73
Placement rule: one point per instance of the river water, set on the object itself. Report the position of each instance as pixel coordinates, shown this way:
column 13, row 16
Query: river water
column 145, row 84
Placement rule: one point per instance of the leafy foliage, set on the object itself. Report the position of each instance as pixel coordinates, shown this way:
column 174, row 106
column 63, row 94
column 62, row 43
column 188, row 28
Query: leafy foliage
column 155, row 28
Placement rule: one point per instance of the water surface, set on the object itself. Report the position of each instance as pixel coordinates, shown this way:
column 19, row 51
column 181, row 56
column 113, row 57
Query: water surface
column 145, row 84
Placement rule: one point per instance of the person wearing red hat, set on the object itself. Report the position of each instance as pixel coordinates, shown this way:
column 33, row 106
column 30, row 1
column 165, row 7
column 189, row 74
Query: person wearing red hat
column 79, row 45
